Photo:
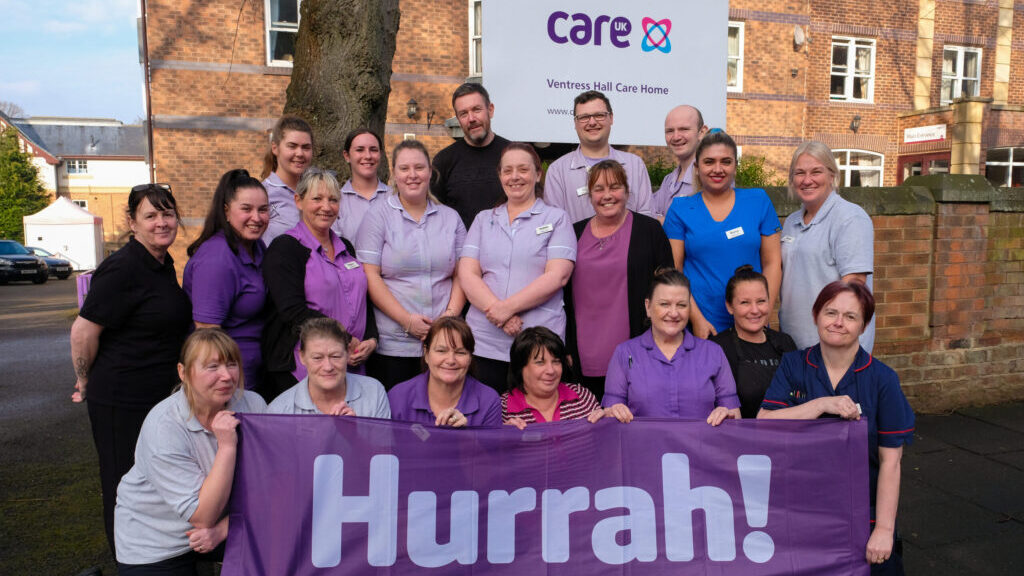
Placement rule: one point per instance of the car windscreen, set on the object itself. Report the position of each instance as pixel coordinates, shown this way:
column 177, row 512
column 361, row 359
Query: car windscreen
column 12, row 248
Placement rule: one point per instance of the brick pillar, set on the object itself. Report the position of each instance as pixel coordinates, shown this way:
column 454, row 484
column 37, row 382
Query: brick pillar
column 925, row 41
column 1004, row 38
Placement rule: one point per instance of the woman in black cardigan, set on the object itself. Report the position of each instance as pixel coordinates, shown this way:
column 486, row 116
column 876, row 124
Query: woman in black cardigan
column 617, row 254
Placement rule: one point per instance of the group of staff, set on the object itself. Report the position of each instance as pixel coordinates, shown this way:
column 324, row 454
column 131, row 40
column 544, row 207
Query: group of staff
column 348, row 299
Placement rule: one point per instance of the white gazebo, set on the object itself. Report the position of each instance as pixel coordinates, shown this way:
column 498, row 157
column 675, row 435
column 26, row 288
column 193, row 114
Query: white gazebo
column 68, row 231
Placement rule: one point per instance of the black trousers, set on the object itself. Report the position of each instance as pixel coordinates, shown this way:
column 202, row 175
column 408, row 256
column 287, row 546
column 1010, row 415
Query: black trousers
column 184, row 565
column 114, row 432
column 391, row 370
column 494, row 373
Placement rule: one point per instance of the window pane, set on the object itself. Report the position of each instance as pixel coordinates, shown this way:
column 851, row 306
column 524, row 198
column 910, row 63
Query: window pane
column 996, row 175
column 971, row 64
column 839, row 55
column 478, row 58
column 997, row 155
column 860, row 88
column 734, row 41
column 938, row 167
column 863, row 61
column 732, row 76
column 477, row 18
column 865, row 178
column 864, row 159
column 949, row 62
column 970, row 88
column 282, row 46
column 284, row 11
column 838, row 85
column 947, row 90
column 1017, row 176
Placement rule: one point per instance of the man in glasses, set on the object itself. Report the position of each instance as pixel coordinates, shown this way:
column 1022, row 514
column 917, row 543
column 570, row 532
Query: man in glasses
column 566, row 183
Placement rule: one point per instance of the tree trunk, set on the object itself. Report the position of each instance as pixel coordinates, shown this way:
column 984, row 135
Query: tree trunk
column 342, row 72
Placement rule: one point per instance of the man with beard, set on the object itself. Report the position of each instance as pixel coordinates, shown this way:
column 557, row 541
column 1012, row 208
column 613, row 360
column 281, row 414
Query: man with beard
column 467, row 171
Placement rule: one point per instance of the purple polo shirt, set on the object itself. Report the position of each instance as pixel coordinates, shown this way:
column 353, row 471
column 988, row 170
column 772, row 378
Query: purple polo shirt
column 284, row 214
column 512, row 256
column 672, row 187
column 688, row 386
column 479, row 402
column 336, row 288
column 416, row 259
column 565, row 185
column 227, row 289
column 353, row 207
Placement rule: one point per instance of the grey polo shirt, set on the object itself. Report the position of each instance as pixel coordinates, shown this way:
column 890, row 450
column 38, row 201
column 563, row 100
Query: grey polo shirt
column 838, row 241
column 365, row 395
column 160, row 493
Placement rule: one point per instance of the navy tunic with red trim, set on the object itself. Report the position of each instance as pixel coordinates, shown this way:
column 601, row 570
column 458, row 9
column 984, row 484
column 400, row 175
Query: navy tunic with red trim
column 802, row 377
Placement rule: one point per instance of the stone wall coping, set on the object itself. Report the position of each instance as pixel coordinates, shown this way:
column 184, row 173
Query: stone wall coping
column 877, row 201
column 1008, row 200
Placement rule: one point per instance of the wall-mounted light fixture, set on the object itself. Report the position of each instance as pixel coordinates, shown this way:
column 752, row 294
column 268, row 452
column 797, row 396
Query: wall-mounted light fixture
column 855, row 123
column 411, row 108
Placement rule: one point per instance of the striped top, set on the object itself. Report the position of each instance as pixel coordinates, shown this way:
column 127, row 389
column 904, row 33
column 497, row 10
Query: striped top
column 574, row 403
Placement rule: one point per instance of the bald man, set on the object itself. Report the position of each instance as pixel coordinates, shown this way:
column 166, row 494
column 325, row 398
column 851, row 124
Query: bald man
column 684, row 127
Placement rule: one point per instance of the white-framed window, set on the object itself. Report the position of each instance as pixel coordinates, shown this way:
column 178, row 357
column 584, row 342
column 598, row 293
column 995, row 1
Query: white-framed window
column 476, row 58
column 77, row 166
column 961, row 72
column 81, row 203
column 1005, row 167
column 853, row 69
column 282, row 25
column 859, row 167
column 734, row 82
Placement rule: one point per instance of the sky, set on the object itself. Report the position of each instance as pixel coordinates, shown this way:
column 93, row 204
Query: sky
column 71, row 58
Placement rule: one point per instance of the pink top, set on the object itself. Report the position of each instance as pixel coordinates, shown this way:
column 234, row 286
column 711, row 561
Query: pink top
column 600, row 294
column 574, row 403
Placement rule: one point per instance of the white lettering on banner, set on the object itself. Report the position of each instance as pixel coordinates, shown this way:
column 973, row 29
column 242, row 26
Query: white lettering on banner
column 379, row 511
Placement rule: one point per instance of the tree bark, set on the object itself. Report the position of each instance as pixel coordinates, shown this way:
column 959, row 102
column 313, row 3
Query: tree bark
column 341, row 77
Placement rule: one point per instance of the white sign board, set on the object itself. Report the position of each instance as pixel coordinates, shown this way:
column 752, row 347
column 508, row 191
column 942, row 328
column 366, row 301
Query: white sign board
column 646, row 56
column 924, row 134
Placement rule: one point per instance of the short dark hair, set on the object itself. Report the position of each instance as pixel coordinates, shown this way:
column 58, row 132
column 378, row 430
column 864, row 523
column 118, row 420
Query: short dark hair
column 859, row 291
column 528, row 345
column 745, row 273
column 468, row 88
column 449, row 325
column 216, row 220
column 589, row 95
column 323, row 327
column 715, row 137
column 358, row 132
column 615, row 173
column 666, row 276
column 159, row 195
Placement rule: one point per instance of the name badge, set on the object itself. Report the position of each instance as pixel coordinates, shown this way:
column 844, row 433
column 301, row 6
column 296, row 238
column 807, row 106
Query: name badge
column 737, row 231
column 582, row 191
column 788, row 239
column 351, row 265
column 545, row 229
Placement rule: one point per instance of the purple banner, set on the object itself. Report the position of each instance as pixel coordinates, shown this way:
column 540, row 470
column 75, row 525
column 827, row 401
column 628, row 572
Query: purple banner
column 330, row 495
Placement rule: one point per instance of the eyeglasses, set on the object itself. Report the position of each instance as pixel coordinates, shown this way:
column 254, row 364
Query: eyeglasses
column 152, row 186
column 599, row 117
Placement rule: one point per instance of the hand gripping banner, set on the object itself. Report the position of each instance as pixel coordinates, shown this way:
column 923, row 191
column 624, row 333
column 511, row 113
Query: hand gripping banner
column 319, row 495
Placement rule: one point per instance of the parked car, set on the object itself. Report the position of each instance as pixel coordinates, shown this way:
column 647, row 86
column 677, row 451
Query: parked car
column 17, row 263
column 59, row 267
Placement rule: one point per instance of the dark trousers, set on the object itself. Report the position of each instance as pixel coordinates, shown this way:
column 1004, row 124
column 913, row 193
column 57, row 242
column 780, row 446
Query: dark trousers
column 391, row 370
column 494, row 373
column 184, row 565
column 894, row 565
column 115, row 432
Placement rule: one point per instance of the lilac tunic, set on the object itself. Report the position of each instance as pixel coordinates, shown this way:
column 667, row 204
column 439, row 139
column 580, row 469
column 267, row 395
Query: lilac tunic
column 227, row 289
column 479, row 402
column 336, row 288
column 416, row 260
column 565, row 185
column 599, row 291
column 672, row 187
column 689, row 386
column 353, row 208
column 284, row 214
column 512, row 256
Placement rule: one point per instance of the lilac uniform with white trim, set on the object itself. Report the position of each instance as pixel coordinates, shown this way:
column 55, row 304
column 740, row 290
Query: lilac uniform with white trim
column 352, row 208
column 512, row 256
column 565, row 185
column 284, row 214
column 416, row 260
column 672, row 187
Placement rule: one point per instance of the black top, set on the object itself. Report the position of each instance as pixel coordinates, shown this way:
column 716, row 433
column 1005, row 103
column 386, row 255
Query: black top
column 145, row 317
column 467, row 177
column 648, row 250
column 753, row 365
column 284, row 274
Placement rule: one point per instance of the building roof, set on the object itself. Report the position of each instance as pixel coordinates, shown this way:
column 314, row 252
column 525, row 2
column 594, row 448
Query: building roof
column 83, row 137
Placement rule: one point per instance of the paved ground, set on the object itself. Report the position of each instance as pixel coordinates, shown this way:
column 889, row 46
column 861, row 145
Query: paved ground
column 961, row 511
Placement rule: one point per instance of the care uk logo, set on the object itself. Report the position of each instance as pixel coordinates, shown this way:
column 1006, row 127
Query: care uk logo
column 582, row 29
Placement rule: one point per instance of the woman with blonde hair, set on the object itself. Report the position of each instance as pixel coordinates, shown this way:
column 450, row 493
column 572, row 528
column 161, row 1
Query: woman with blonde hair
column 171, row 505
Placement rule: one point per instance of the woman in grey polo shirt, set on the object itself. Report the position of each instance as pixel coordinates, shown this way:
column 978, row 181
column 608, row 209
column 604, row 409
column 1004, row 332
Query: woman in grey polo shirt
column 170, row 505
column 327, row 387
column 827, row 239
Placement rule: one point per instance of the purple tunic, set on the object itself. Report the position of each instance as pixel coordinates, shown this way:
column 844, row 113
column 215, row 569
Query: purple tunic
column 416, row 260
column 353, row 208
column 688, row 386
column 600, row 294
column 227, row 289
column 511, row 256
column 479, row 402
column 672, row 187
column 337, row 288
